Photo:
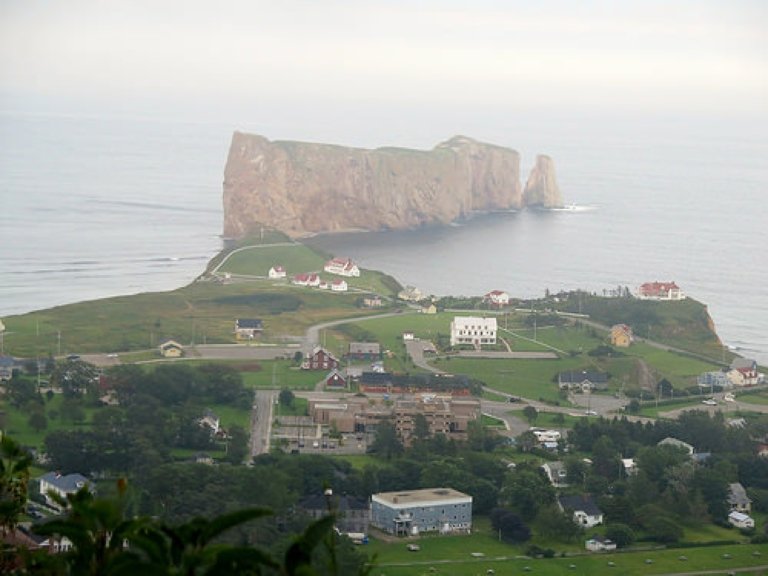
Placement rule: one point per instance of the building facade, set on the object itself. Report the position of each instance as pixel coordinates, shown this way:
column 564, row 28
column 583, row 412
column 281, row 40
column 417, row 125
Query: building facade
column 473, row 330
column 442, row 510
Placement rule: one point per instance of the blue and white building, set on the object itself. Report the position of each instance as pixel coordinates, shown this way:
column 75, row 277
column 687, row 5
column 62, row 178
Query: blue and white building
column 412, row 512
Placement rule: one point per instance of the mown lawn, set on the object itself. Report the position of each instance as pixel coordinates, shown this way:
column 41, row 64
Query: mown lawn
column 203, row 312
column 18, row 427
column 257, row 260
column 527, row 378
column 280, row 374
column 452, row 555
column 754, row 398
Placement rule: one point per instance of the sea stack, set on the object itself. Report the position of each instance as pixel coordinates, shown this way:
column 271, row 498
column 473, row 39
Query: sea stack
column 304, row 188
column 541, row 189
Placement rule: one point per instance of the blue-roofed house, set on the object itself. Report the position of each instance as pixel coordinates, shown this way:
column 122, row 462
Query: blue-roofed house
column 62, row 485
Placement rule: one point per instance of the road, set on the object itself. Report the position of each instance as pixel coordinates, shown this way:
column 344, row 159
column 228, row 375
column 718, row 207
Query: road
column 312, row 336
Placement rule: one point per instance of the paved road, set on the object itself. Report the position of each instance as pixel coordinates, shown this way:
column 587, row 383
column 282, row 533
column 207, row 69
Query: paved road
column 242, row 351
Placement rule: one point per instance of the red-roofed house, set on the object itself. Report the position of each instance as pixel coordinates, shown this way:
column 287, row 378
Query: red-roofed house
column 660, row 291
column 497, row 298
column 339, row 286
column 307, row 280
column 342, row 267
column 320, row 359
column 277, row 272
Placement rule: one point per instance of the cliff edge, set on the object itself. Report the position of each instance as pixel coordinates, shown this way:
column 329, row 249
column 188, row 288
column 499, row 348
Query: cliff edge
column 303, row 188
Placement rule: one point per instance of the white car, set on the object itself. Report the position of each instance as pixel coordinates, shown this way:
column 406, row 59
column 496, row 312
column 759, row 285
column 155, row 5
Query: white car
column 709, row 402
column 590, row 412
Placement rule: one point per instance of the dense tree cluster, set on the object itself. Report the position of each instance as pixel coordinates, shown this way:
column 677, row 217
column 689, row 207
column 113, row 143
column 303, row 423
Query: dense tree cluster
column 157, row 411
column 670, row 488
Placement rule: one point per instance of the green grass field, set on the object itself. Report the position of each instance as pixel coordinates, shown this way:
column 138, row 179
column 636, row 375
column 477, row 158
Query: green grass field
column 257, row 260
column 453, row 555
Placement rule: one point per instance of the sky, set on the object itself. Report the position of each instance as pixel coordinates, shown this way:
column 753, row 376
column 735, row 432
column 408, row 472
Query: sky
column 406, row 67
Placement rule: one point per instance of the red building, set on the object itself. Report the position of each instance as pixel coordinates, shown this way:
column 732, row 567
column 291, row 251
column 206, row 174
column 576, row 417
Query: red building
column 320, row 359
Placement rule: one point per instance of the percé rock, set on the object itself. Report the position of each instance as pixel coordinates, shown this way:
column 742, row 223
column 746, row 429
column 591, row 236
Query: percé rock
column 541, row 188
column 303, row 188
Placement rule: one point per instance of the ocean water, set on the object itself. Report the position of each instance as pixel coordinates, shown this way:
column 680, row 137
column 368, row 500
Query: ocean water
column 94, row 208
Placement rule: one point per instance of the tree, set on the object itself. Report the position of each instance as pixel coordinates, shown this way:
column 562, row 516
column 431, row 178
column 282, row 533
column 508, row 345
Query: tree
column 526, row 491
column 386, row 443
column 621, row 534
column 286, row 397
column 509, row 525
column 38, row 421
column 14, row 477
column 421, row 426
column 531, row 414
column 553, row 523
column 237, row 448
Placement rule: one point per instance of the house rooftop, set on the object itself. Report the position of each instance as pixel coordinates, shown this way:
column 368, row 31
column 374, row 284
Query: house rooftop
column 253, row 323
column 737, row 495
column 582, row 375
column 580, row 503
column 66, row 483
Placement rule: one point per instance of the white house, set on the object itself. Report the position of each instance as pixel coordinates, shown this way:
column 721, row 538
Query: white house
column 585, row 511
column 741, row 520
column 339, row 286
column 473, row 330
column 277, row 272
column 61, row 485
column 599, row 544
column 342, row 267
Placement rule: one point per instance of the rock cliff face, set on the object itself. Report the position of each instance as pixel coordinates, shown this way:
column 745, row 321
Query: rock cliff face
column 304, row 188
column 541, row 188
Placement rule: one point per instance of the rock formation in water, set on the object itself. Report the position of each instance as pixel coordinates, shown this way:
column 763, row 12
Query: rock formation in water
column 541, row 188
column 305, row 188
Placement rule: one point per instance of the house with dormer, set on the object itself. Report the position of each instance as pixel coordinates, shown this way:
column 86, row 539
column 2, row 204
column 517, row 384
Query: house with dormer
column 53, row 484
column 583, row 509
column 743, row 372
column 320, row 359
column 277, row 272
column 496, row 298
column 342, row 267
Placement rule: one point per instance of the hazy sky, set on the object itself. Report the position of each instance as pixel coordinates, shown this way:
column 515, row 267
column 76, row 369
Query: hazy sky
column 281, row 64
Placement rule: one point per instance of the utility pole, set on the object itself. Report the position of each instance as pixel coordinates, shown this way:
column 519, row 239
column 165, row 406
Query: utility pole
column 58, row 337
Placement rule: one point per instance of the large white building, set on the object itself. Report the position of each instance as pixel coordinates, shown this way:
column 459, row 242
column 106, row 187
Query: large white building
column 473, row 330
